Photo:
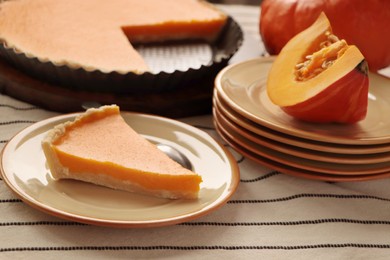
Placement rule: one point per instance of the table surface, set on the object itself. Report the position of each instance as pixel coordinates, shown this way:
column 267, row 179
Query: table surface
column 271, row 215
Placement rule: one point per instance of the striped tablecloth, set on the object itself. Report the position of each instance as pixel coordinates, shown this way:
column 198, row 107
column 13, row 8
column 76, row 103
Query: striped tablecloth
column 271, row 216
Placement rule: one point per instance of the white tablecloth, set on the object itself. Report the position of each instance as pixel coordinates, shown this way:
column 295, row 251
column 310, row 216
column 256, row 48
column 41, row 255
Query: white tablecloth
column 271, row 216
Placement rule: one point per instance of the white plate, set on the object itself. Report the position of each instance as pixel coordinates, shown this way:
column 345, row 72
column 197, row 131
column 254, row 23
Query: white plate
column 23, row 166
column 243, row 87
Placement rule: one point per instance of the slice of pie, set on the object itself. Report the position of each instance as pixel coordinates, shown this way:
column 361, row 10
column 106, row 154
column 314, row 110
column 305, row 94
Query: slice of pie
column 101, row 148
column 98, row 34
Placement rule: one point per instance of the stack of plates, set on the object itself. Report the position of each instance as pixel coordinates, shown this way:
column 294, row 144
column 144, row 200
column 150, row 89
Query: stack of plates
column 248, row 121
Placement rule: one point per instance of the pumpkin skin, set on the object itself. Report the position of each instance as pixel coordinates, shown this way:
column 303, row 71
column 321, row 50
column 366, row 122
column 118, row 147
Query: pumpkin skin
column 360, row 22
column 331, row 105
column 336, row 94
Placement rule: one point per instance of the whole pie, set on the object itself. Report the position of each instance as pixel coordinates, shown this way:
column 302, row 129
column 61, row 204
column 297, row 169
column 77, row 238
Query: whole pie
column 98, row 34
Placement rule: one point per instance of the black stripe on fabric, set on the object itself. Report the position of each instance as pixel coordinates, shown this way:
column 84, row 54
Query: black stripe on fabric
column 17, row 122
column 308, row 195
column 19, row 108
column 241, row 159
column 192, row 248
column 10, row 200
column 223, row 224
column 296, row 196
column 260, row 178
column 291, row 223
column 42, row 223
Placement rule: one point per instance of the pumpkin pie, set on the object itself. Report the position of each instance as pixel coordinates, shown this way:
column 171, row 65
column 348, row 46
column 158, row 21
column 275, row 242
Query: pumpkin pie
column 98, row 34
column 101, row 148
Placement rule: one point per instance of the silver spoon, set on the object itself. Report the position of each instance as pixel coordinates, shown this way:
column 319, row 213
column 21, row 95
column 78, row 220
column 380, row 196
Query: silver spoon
column 175, row 155
column 172, row 153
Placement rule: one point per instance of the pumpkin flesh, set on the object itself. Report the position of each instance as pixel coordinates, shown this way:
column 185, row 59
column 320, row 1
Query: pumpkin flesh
column 319, row 83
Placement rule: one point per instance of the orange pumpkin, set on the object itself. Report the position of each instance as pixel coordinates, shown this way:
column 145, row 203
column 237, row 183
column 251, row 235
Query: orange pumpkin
column 360, row 22
column 319, row 78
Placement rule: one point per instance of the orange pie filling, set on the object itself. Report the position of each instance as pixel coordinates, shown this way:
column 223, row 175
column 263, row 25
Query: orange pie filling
column 148, row 180
column 174, row 30
column 101, row 148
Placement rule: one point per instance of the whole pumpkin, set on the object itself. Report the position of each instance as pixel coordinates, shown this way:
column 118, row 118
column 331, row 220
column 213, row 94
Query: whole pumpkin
column 364, row 23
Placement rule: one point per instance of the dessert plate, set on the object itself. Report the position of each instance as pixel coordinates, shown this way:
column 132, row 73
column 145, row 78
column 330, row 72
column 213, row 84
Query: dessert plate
column 301, row 173
column 261, row 130
column 282, row 147
column 243, row 87
column 24, row 170
column 304, row 163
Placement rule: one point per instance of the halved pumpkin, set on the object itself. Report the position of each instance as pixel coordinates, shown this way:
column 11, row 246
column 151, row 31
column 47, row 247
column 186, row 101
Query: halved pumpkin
column 319, row 78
